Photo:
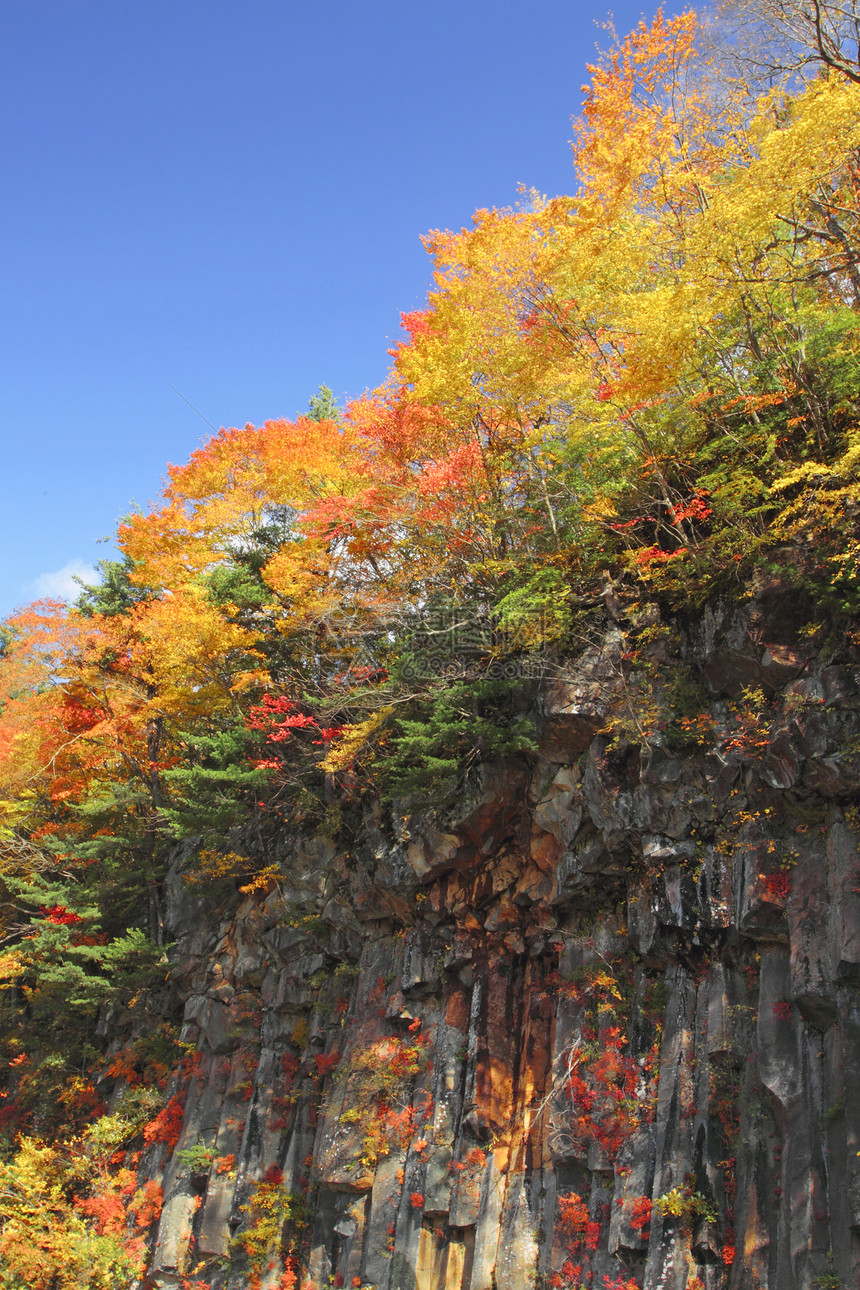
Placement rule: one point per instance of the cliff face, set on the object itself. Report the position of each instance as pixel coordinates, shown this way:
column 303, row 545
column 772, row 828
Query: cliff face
column 597, row 1022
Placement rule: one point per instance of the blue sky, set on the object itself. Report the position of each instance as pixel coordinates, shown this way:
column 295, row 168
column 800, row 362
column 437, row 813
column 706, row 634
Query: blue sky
column 228, row 198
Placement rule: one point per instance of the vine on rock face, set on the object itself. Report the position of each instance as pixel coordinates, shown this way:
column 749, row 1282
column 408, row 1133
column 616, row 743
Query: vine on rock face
column 268, row 1213
column 610, row 1090
column 377, row 1080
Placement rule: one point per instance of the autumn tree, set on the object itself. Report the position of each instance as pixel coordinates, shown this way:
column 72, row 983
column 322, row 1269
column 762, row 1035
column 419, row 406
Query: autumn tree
column 784, row 37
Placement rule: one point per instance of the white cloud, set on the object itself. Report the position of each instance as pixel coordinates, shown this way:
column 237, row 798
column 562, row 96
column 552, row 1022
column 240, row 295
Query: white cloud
column 61, row 585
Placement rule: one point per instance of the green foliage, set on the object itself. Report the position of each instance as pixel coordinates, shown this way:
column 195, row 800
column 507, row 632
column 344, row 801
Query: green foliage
column 67, row 961
column 535, row 613
column 828, row 1281
column 239, row 586
column 196, row 1159
column 323, row 406
column 116, row 848
column 455, row 726
column 114, row 593
column 212, row 790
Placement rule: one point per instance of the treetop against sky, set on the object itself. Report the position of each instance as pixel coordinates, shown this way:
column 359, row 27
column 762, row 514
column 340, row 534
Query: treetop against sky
column 218, row 209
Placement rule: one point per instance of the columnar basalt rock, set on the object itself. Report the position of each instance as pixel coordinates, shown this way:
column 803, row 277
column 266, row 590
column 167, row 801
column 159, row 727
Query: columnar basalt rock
column 598, row 1025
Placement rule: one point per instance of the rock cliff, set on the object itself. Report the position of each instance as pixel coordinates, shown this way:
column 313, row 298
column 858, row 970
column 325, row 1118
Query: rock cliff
column 595, row 1023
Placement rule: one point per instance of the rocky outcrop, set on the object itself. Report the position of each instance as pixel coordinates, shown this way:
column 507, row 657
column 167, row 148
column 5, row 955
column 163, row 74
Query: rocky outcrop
column 598, row 1024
